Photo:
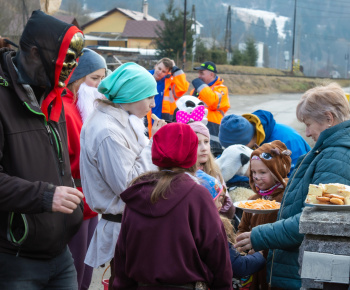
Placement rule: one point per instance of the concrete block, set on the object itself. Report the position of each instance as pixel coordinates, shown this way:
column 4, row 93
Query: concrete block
column 326, row 223
column 326, row 244
column 311, row 284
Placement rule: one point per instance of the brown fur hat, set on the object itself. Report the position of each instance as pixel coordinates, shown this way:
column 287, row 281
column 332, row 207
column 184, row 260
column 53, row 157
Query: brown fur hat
column 276, row 157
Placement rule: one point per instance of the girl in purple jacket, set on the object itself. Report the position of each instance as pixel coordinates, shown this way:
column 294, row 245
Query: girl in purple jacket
column 171, row 234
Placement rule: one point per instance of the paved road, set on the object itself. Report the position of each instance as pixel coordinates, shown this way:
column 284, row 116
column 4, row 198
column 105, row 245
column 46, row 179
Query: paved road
column 282, row 106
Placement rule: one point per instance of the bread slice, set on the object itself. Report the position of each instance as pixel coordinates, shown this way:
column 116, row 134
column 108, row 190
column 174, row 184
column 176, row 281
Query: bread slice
column 310, row 198
column 316, row 190
column 344, row 192
column 347, row 201
column 337, row 188
column 333, row 188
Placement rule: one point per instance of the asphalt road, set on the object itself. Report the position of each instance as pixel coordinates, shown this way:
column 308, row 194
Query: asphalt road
column 282, row 106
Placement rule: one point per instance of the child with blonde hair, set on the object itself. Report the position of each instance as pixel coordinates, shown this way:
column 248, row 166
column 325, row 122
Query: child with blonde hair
column 269, row 167
column 206, row 162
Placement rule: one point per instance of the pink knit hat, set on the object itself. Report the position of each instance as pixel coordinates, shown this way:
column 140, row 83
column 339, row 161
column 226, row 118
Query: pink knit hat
column 199, row 127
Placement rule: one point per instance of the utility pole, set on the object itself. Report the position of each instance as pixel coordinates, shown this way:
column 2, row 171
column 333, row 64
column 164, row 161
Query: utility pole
column 228, row 47
column 277, row 56
column 347, row 67
column 328, row 61
column 295, row 15
column 194, row 28
column 184, row 39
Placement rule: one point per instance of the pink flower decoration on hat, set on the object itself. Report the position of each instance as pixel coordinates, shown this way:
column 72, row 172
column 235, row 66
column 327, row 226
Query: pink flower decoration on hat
column 196, row 115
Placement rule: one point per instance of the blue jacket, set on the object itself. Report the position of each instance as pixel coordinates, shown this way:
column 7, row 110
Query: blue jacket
column 327, row 162
column 245, row 265
column 276, row 131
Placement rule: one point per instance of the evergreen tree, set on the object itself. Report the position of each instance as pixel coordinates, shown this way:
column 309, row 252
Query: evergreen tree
column 272, row 39
column 170, row 37
column 260, row 30
column 288, row 40
column 266, row 58
column 250, row 53
column 202, row 53
column 238, row 29
column 237, row 58
column 248, row 57
column 272, row 35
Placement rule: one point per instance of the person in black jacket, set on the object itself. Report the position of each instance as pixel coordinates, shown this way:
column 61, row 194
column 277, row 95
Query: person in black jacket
column 40, row 208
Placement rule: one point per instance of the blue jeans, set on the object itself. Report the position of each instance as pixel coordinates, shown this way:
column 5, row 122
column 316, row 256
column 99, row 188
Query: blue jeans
column 23, row 273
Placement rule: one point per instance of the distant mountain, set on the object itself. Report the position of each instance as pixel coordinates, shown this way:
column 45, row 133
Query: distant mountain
column 322, row 36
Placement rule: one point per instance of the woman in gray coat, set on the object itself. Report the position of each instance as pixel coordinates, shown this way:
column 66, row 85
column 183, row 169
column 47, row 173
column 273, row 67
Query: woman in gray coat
column 326, row 114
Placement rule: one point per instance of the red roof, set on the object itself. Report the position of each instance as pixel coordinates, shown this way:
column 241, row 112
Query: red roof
column 142, row 29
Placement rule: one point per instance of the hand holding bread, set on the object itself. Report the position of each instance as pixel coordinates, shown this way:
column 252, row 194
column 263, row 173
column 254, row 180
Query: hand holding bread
column 157, row 124
column 154, row 117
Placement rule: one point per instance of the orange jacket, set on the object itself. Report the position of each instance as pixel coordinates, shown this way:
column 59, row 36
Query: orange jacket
column 176, row 86
column 217, row 102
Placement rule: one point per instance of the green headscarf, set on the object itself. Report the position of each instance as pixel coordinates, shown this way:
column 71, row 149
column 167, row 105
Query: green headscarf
column 129, row 83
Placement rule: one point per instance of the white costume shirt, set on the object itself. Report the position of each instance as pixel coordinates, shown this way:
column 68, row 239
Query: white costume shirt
column 110, row 158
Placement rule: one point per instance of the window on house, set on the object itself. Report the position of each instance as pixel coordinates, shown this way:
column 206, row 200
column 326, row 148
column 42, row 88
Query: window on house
column 103, row 42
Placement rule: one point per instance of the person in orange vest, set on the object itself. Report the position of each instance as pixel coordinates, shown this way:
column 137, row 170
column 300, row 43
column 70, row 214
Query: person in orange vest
column 171, row 85
column 209, row 88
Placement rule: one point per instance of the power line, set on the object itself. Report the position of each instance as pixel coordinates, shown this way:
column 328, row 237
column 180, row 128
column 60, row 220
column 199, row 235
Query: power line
column 293, row 42
column 194, row 23
column 184, row 38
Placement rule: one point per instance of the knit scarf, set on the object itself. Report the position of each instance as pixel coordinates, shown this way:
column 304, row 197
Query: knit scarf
column 268, row 191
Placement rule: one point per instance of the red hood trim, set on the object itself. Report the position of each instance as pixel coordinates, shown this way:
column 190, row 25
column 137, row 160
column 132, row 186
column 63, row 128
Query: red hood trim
column 54, row 96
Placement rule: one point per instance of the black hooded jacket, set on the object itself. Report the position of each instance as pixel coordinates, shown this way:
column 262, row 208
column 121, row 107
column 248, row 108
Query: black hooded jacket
column 33, row 161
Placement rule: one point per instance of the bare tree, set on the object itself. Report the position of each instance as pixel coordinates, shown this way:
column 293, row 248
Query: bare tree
column 14, row 16
column 76, row 9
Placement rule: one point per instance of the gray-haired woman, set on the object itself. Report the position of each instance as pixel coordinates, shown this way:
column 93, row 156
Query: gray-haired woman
column 326, row 114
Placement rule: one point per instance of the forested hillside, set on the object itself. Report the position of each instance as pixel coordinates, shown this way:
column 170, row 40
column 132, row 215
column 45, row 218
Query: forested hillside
column 322, row 36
